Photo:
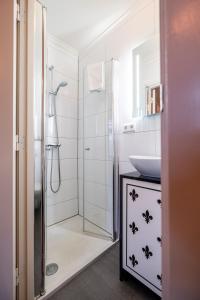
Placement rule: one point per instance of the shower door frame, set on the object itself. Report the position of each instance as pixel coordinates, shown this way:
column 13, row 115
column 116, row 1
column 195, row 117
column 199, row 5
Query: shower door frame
column 21, row 155
column 30, row 14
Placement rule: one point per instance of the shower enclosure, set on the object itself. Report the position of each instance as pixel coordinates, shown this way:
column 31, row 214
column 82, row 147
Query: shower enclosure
column 98, row 192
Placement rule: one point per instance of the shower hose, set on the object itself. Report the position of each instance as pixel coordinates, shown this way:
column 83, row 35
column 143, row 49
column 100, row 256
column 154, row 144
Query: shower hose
column 53, row 148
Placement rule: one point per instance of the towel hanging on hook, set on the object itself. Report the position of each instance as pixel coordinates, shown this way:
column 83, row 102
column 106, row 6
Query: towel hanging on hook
column 96, row 77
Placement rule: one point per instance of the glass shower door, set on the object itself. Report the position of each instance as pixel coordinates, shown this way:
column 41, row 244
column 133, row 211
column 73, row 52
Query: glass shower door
column 100, row 167
column 39, row 146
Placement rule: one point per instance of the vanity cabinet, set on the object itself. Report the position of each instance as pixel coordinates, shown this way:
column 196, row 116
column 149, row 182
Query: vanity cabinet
column 140, row 240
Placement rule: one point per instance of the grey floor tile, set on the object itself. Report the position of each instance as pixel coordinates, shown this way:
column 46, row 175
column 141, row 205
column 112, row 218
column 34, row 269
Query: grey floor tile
column 100, row 281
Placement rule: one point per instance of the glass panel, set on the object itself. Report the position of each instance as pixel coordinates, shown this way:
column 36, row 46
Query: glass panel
column 98, row 156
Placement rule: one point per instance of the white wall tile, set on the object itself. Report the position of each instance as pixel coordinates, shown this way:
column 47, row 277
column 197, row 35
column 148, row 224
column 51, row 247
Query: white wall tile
column 96, row 194
column 61, row 211
column 101, row 124
column 64, row 203
column 143, row 143
column 158, row 143
column 66, row 108
column 99, row 195
column 95, row 125
column 99, row 216
column 68, row 191
column 94, row 171
column 65, row 64
column 95, row 215
column 90, row 126
column 158, row 122
column 68, row 148
column 97, row 148
column 95, row 103
column 68, row 169
column 145, row 124
column 67, row 128
column 125, row 167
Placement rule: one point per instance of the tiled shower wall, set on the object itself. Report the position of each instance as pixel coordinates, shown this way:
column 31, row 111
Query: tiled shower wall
column 63, row 204
column 118, row 44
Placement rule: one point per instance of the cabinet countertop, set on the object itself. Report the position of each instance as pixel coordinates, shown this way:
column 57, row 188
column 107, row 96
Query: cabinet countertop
column 137, row 176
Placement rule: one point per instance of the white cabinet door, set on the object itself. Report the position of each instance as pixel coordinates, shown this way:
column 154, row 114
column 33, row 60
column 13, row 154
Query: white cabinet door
column 143, row 232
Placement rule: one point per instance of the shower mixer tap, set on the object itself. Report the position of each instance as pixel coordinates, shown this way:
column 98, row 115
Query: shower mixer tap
column 49, row 146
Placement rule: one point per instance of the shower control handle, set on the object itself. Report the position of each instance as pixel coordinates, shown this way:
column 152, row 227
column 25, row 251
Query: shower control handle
column 87, row 149
column 50, row 146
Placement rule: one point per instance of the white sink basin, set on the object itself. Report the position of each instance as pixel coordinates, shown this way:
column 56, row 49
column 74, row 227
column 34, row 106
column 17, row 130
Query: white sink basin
column 147, row 165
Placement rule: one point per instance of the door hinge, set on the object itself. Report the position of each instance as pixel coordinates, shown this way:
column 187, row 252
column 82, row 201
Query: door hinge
column 18, row 17
column 19, row 143
column 17, row 276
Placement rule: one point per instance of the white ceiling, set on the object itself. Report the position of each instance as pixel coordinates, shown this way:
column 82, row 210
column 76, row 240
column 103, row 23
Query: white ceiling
column 79, row 22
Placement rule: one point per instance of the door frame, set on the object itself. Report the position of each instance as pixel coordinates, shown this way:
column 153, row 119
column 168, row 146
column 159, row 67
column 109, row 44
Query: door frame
column 25, row 175
column 180, row 48
column 21, row 82
column 30, row 147
column 8, row 183
column 27, row 216
column 25, row 171
column 30, row 150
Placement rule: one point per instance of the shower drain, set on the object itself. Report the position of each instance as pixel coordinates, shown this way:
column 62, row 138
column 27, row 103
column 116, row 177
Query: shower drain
column 51, row 269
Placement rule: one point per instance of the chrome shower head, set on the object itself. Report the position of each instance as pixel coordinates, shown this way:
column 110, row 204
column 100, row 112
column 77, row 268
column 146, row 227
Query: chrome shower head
column 62, row 84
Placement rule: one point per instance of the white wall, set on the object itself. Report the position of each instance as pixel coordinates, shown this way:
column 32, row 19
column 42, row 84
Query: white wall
column 63, row 204
column 140, row 25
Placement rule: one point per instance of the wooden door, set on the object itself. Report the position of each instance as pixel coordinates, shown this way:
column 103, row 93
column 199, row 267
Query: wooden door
column 180, row 56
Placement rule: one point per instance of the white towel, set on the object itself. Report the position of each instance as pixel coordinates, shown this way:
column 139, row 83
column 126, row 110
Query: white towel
column 96, row 77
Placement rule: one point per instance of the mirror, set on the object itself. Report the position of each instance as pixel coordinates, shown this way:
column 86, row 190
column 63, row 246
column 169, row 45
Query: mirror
column 146, row 79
